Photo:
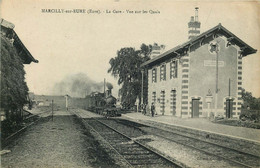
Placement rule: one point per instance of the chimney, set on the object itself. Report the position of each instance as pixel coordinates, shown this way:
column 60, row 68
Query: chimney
column 194, row 25
column 157, row 50
column 108, row 93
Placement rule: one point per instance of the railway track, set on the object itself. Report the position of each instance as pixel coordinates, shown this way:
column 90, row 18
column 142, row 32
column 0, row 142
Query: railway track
column 134, row 153
column 238, row 157
column 5, row 142
column 250, row 147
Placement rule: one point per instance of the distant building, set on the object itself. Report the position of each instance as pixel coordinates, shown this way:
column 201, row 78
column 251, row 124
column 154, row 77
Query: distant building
column 184, row 80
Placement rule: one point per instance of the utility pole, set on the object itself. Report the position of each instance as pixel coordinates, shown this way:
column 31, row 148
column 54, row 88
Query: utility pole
column 104, row 87
column 229, row 87
column 216, row 97
column 142, row 89
column 52, row 108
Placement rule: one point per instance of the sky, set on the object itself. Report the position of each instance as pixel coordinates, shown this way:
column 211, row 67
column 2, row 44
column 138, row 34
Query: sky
column 72, row 43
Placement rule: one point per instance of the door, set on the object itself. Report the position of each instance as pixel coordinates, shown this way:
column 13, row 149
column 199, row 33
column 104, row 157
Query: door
column 195, row 108
column 162, row 102
column 173, row 102
column 229, row 108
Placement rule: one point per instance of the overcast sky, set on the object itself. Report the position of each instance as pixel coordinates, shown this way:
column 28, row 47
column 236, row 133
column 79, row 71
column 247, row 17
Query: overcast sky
column 68, row 44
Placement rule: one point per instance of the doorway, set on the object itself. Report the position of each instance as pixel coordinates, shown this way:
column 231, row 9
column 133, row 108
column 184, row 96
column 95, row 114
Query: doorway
column 229, row 108
column 195, row 108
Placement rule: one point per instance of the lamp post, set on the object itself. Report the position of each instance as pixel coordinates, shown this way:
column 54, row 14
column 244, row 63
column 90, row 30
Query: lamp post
column 216, row 96
column 229, row 101
column 208, row 99
column 67, row 105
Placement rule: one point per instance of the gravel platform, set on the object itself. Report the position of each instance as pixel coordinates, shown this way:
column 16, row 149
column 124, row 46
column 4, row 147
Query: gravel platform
column 63, row 142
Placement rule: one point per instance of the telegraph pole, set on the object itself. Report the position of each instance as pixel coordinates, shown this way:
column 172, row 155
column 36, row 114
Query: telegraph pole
column 229, row 88
column 52, row 108
column 104, row 87
column 216, row 97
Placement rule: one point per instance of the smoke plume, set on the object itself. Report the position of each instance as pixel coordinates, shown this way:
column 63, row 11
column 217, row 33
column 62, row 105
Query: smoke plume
column 109, row 85
column 77, row 85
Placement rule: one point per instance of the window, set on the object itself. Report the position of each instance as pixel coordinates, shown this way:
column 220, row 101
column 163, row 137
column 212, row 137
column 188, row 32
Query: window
column 174, row 68
column 163, row 72
column 154, row 75
column 154, row 97
column 162, row 101
column 173, row 102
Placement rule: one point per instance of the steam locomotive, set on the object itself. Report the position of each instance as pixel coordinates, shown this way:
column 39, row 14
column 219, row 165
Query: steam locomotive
column 102, row 103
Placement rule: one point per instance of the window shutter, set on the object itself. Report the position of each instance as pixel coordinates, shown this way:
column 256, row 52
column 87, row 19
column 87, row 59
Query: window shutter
column 155, row 78
column 161, row 73
column 176, row 68
column 171, row 70
column 164, row 72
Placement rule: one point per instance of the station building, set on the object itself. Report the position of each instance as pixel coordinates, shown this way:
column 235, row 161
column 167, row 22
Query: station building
column 8, row 32
column 200, row 77
column 12, row 46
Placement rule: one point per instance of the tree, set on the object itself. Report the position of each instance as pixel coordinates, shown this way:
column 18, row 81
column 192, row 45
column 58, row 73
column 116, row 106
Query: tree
column 14, row 89
column 126, row 67
column 250, row 101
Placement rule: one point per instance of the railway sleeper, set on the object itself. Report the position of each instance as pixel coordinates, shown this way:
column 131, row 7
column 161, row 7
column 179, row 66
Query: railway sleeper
column 121, row 144
column 146, row 162
column 125, row 145
column 134, row 152
column 113, row 137
column 126, row 148
column 129, row 149
column 118, row 141
column 248, row 161
column 149, row 166
column 110, row 134
column 101, row 130
column 116, row 138
column 147, row 156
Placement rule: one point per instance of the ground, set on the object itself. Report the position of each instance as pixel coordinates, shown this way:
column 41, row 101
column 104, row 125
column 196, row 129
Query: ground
column 66, row 142
column 201, row 124
column 239, row 123
column 63, row 142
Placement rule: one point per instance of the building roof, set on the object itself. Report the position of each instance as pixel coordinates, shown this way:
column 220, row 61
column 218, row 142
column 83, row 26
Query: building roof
column 217, row 29
column 22, row 50
column 27, row 56
column 7, row 24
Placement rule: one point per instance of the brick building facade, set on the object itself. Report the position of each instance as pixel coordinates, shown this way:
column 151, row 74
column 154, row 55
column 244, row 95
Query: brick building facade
column 184, row 80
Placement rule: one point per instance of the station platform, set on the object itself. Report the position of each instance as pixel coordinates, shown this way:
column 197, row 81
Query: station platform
column 200, row 124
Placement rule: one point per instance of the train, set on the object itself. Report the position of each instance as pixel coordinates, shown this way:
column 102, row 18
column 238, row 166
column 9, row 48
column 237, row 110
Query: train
column 103, row 104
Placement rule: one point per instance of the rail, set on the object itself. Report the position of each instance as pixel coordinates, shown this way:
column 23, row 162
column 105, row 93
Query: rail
column 133, row 141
